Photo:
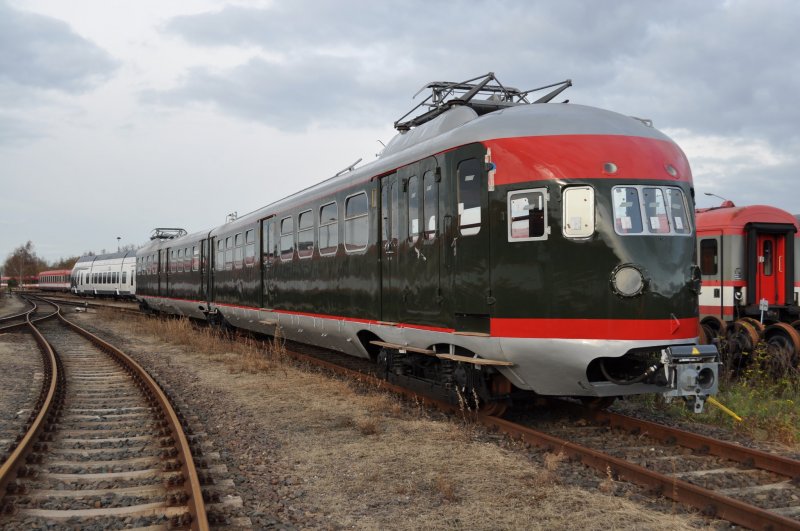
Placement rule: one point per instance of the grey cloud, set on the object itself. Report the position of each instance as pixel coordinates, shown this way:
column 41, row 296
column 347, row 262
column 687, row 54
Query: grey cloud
column 288, row 96
column 44, row 53
column 14, row 130
column 717, row 67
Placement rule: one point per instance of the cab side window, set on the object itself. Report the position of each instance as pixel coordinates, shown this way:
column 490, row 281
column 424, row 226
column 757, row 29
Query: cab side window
column 527, row 215
column 469, row 197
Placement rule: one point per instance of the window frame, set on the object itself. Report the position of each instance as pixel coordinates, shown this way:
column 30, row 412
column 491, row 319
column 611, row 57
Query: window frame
column 415, row 206
column 565, row 216
column 303, row 254
column 329, row 250
column 365, row 215
column 429, row 235
column 249, row 247
column 664, row 188
column 286, row 256
column 715, row 248
column 546, row 226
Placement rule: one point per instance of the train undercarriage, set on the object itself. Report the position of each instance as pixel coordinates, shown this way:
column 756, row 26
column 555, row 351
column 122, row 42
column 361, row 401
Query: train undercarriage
column 462, row 380
column 740, row 340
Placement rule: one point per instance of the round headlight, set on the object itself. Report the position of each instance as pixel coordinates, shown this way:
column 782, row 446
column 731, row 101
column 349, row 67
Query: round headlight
column 627, row 280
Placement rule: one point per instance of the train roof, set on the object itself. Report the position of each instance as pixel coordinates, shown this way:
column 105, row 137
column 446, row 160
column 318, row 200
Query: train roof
column 107, row 256
column 460, row 126
column 733, row 217
column 463, row 119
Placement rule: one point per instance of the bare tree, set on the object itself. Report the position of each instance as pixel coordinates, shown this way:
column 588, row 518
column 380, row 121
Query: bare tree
column 23, row 262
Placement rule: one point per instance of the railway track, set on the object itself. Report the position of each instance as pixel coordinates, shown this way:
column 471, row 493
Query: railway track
column 103, row 448
column 745, row 486
column 726, row 481
column 15, row 318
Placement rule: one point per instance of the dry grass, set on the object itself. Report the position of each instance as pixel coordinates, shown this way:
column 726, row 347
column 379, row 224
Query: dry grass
column 239, row 355
column 370, row 461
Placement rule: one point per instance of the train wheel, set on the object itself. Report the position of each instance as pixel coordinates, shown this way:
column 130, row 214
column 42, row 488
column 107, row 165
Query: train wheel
column 704, row 334
column 783, row 348
column 796, row 325
column 716, row 326
column 500, row 386
column 758, row 325
column 742, row 337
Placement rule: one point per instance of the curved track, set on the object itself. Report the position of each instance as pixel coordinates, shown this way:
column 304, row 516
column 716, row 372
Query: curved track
column 104, row 447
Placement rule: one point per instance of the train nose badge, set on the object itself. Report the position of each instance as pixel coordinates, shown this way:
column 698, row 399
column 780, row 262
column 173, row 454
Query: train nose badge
column 674, row 325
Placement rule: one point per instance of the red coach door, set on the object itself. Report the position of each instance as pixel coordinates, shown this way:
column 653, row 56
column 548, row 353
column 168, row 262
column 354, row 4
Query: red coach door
column 771, row 268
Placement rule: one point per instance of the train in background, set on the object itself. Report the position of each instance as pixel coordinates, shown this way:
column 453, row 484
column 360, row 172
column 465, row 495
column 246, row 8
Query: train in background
column 748, row 259
column 56, row 280
column 498, row 246
column 105, row 275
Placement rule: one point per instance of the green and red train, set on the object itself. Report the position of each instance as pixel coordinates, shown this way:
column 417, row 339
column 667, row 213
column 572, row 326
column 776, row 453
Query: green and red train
column 496, row 247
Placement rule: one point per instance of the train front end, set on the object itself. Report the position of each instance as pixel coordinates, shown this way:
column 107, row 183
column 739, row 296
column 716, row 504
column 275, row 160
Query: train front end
column 593, row 266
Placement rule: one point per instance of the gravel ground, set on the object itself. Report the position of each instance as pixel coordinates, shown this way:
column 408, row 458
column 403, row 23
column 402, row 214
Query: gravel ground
column 20, row 376
column 305, row 450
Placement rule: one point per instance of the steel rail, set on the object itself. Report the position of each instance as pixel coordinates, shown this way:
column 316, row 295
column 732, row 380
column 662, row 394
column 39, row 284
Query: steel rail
column 26, row 444
column 701, row 443
column 710, row 503
column 195, row 500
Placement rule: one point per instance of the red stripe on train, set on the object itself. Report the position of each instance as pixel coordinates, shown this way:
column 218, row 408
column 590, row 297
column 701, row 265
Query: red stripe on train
column 611, row 329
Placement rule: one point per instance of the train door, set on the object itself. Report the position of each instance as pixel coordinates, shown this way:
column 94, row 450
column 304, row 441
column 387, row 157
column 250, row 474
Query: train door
column 419, row 251
column 268, row 254
column 204, row 268
column 712, row 293
column 214, row 258
column 162, row 272
column 470, row 243
column 390, row 238
column 771, row 268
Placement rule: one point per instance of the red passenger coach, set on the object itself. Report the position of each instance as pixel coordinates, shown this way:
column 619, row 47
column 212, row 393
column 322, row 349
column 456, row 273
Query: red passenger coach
column 57, row 280
column 751, row 282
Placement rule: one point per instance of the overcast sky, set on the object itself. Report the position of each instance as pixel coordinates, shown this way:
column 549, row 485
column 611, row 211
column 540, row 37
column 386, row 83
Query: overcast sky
column 120, row 116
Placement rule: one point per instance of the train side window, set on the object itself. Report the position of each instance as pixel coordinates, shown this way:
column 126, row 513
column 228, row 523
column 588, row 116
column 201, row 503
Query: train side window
column 356, row 222
column 238, row 252
column 708, row 256
column 124, row 277
column 627, row 213
column 413, row 209
column 219, row 264
column 228, row 253
column 287, row 238
column 430, row 205
column 767, row 255
column 172, row 264
column 195, row 258
column 578, row 217
column 250, row 248
column 305, row 234
column 267, row 241
column 469, row 197
column 179, row 262
column 328, row 239
column 677, row 211
column 527, row 215
column 187, row 260
column 655, row 209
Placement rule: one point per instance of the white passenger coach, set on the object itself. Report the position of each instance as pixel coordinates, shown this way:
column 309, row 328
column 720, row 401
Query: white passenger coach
column 109, row 275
